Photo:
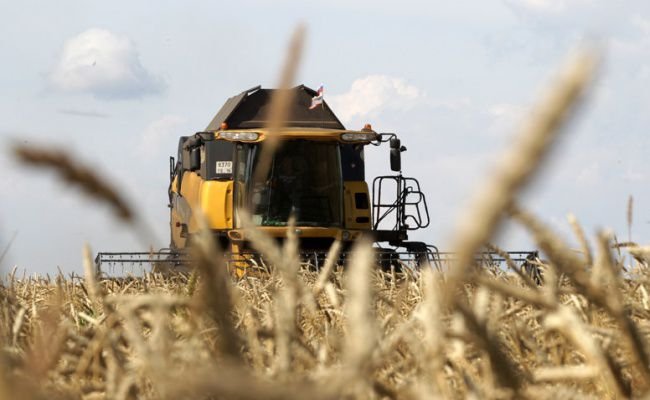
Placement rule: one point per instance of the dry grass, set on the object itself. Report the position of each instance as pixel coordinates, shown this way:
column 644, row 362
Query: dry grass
column 353, row 332
column 361, row 333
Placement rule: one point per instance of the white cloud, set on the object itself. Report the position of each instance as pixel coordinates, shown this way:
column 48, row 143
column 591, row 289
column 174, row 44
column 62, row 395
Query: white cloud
column 370, row 95
column 105, row 65
column 641, row 23
column 505, row 118
column 541, row 5
column 590, row 174
column 633, row 175
column 161, row 135
column 546, row 7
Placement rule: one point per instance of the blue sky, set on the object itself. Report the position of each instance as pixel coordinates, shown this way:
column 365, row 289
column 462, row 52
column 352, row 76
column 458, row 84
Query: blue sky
column 118, row 82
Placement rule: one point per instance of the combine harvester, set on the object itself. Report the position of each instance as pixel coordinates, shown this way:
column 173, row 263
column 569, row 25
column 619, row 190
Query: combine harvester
column 317, row 175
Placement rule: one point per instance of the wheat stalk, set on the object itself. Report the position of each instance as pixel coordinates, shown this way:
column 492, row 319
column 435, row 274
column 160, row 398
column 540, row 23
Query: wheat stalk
column 518, row 165
column 280, row 103
column 74, row 172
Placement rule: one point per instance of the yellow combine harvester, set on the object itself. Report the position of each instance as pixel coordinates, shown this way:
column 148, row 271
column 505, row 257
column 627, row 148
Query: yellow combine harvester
column 317, row 174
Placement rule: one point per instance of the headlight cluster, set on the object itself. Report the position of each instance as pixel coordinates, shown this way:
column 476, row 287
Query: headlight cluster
column 244, row 136
column 359, row 137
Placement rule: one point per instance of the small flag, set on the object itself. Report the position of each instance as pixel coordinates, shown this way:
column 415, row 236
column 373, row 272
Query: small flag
column 318, row 99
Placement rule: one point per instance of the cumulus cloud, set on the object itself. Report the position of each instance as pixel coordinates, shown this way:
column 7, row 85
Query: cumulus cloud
column 546, row 7
column 641, row 23
column 161, row 136
column 82, row 113
column 504, row 118
column 370, row 95
column 105, row 65
column 601, row 18
column 634, row 175
column 590, row 174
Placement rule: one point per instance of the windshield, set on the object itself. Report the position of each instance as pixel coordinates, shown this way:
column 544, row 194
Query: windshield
column 304, row 179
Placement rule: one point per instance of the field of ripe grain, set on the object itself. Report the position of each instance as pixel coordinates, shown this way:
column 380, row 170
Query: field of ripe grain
column 359, row 333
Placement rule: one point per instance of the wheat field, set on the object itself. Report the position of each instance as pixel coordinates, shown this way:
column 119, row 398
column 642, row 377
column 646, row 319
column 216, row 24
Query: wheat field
column 353, row 332
column 347, row 331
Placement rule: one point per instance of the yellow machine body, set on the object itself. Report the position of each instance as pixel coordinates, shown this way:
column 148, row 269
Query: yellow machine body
column 194, row 197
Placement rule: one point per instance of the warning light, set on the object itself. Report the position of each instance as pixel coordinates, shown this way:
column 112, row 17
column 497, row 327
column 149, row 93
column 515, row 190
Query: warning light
column 223, row 126
column 367, row 127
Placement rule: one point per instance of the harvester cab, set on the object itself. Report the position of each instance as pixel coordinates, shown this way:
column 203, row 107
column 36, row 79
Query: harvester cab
column 316, row 175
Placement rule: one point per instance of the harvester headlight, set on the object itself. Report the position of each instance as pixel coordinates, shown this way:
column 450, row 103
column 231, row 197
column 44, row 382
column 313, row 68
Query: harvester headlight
column 359, row 137
column 244, row 136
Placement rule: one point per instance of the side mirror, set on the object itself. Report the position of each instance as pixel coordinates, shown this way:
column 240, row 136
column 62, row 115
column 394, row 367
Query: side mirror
column 395, row 160
column 395, row 155
column 195, row 158
column 172, row 168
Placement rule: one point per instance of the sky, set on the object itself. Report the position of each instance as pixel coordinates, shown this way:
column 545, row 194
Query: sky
column 118, row 82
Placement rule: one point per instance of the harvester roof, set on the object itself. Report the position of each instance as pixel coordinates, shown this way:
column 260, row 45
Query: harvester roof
column 250, row 109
